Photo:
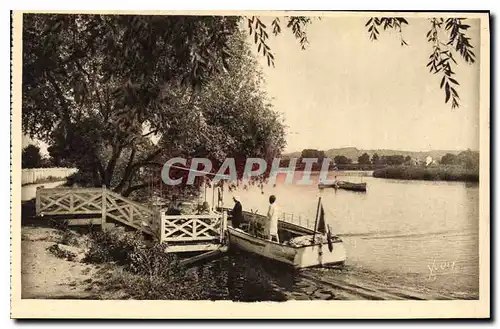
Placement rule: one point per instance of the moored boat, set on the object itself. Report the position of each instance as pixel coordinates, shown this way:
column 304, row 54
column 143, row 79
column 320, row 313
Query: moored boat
column 299, row 246
column 358, row 187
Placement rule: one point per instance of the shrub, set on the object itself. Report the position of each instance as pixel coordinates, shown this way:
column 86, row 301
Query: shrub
column 146, row 271
column 59, row 253
column 111, row 246
column 133, row 252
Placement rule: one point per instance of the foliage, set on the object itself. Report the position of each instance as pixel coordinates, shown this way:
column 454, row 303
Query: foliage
column 392, row 160
column 146, row 270
column 446, row 173
column 31, row 157
column 341, row 159
column 60, row 253
column 312, row 153
column 133, row 252
column 448, row 159
column 98, row 87
column 441, row 59
column 364, row 159
column 375, row 159
column 467, row 159
column 395, row 23
column 141, row 287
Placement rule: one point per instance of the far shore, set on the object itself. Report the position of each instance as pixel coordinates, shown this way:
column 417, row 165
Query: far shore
column 438, row 173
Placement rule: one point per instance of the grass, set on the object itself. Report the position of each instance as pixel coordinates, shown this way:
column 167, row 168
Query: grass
column 439, row 173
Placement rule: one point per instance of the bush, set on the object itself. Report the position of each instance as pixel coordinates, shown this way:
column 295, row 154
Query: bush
column 111, row 246
column 133, row 252
column 146, row 272
column 64, row 254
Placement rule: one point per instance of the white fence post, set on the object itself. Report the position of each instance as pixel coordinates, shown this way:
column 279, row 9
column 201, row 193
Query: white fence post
column 162, row 227
column 38, row 204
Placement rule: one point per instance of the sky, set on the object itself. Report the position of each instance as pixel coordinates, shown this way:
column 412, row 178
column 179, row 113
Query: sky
column 347, row 91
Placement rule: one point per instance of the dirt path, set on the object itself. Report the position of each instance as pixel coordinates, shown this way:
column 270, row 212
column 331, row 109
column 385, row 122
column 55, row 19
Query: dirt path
column 43, row 275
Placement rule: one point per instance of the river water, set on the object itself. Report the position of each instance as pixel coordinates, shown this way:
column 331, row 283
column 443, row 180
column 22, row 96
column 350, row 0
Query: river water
column 420, row 235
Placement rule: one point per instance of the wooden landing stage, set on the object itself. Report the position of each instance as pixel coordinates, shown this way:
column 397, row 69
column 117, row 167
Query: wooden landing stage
column 97, row 206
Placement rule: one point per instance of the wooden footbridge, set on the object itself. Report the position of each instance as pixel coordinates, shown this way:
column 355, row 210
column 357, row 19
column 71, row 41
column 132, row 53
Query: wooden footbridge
column 98, row 206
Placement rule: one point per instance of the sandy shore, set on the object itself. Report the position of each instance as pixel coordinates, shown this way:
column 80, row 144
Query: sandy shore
column 46, row 276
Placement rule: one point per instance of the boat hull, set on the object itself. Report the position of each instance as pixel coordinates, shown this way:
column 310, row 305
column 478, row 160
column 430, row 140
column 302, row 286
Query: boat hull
column 298, row 257
column 357, row 187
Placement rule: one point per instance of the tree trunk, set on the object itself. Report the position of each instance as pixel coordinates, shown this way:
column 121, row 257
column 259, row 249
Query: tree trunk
column 110, row 168
column 133, row 189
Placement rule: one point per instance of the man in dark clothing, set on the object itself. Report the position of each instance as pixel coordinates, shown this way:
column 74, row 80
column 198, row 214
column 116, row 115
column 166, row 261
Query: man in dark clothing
column 237, row 213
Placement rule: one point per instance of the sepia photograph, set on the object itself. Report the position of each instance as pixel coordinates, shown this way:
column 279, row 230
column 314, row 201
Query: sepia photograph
column 251, row 160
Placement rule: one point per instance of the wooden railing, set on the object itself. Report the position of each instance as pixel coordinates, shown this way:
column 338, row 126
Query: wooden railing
column 98, row 201
column 297, row 220
column 182, row 233
column 192, row 228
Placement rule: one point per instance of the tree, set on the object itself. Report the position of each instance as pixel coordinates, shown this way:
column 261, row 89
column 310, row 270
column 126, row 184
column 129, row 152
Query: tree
column 341, row 160
column 104, row 127
column 469, row 159
column 393, row 160
column 407, row 159
column 31, row 157
column 313, row 153
column 364, row 159
column 448, row 159
column 375, row 159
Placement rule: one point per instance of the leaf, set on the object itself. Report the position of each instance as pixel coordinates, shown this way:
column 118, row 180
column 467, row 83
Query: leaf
column 369, row 21
column 442, row 82
column 447, row 92
column 454, row 81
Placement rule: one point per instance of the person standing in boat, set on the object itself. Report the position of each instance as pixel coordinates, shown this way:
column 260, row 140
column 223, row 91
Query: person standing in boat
column 237, row 213
column 272, row 220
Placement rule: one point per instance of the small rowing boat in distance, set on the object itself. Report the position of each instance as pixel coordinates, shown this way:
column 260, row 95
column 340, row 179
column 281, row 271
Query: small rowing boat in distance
column 357, row 187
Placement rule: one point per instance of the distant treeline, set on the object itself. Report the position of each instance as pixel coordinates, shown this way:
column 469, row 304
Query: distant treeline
column 444, row 172
column 364, row 162
column 463, row 166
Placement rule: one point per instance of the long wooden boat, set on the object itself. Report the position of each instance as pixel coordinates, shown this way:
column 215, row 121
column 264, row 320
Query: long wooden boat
column 358, row 187
column 296, row 247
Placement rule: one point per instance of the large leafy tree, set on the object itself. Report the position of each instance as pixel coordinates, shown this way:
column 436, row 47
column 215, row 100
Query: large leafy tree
column 97, row 88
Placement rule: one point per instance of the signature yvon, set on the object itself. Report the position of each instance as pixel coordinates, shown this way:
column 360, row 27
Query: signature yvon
column 439, row 268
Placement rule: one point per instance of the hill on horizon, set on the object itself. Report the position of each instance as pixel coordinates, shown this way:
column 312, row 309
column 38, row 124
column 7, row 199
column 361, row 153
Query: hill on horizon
column 353, row 153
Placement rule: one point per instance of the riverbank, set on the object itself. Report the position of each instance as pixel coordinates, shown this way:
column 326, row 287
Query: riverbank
column 64, row 264
column 439, row 173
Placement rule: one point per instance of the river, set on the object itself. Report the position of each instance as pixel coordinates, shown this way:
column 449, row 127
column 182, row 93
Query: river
column 416, row 235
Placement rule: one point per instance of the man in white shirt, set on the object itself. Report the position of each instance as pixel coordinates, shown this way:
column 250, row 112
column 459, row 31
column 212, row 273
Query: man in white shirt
column 272, row 217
